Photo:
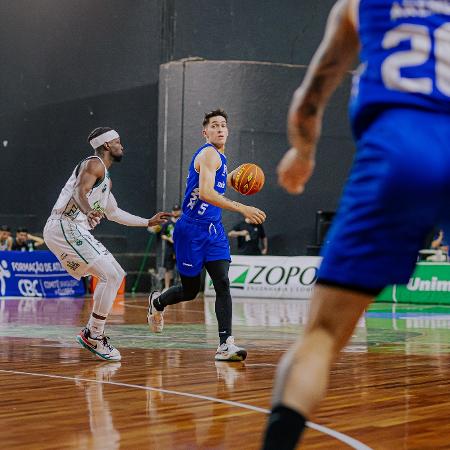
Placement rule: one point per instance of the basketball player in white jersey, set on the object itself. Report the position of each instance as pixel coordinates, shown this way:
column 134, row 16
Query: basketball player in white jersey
column 83, row 202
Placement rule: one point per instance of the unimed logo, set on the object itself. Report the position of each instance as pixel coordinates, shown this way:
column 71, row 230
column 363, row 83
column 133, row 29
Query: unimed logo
column 242, row 275
column 417, row 284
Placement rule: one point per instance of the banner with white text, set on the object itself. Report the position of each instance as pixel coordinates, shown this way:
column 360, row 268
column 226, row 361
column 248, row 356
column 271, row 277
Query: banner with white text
column 36, row 274
column 271, row 276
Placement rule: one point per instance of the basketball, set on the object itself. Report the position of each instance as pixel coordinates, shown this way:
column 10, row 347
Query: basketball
column 248, row 179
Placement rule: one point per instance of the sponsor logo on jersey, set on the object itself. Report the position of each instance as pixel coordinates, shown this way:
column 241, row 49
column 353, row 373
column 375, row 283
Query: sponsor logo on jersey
column 98, row 207
column 72, row 265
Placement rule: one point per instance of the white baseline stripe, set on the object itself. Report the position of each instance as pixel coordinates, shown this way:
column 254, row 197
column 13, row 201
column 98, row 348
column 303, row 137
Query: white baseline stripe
column 353, row 443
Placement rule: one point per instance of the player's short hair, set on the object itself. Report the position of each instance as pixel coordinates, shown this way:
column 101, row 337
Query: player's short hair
column 215, row 113
column 97, row 132
column 5, row 228
column 22, row 230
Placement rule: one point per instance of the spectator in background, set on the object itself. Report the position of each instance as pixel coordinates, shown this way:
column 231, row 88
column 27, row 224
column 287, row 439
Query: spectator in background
column 26, row 242
column 166, row 231
column 169, row 252
column 249, row 236
column 440, row 245
column 439, row 242
column 6, row 240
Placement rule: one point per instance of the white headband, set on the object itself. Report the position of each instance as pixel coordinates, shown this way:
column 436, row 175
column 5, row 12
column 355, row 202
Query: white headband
column 105, row 137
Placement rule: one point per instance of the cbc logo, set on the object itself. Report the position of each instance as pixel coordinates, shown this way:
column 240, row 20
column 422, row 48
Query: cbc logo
column 29, row 288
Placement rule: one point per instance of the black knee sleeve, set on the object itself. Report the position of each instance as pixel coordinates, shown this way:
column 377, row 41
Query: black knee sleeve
column 222, row 285
column 191, row 287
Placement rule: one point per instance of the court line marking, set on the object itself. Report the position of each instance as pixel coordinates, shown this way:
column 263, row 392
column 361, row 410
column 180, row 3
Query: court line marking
column 146, row 307
column 261, row 365
column 351, row 442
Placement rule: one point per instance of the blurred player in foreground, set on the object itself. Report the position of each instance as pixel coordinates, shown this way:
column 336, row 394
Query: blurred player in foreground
column 398, row 188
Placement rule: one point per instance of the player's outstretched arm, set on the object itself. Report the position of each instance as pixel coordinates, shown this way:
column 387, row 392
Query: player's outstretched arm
column 333, row 58
column 207, row 163
column 114, row 213
column 90, row 171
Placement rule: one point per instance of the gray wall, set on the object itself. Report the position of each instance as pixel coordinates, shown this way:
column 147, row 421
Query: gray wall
column 256, row 97
column 283, row 31
column 71, row 65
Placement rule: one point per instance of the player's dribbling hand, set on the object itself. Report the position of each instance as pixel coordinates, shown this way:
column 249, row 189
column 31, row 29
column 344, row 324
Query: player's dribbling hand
column 159, row 218
column 94, row 217
column 294, row 171
column 254, row 215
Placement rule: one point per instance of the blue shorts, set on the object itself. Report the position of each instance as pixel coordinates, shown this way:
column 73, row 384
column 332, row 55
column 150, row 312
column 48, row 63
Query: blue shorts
column 196, row 243
column 398, row 190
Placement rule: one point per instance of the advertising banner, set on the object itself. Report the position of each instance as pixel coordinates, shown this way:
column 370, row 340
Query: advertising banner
column 430, row 283
column 271, row 276
column 294, row 278
column 35, row 274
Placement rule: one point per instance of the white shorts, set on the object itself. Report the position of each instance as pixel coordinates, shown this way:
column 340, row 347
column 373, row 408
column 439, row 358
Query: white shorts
column 74, row 246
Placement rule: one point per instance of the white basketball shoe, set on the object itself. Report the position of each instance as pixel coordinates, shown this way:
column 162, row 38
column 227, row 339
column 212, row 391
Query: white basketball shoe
column 99, row 345
column 230, row 352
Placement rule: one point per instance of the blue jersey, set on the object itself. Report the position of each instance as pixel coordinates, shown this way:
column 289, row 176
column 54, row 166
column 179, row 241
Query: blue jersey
column 405, row 58
column 193, row 206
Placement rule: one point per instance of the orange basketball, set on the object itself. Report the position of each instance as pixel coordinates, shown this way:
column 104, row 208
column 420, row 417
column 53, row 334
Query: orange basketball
column 248, row 179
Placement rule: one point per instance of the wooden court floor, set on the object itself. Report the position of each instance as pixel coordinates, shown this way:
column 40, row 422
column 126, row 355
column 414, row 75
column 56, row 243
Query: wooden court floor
column 390, row 389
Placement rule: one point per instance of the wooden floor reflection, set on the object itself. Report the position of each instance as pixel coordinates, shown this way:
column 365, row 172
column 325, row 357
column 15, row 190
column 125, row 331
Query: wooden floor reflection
column 390, row 389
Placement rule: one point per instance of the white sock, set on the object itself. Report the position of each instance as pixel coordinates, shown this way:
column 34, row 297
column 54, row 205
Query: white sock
column 96, row 326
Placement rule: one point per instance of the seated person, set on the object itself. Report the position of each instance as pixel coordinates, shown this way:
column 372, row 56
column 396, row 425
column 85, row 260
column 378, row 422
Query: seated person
column 6, row 240
column 440, row 245
column 26, row 242
column 249, row 236
column 439, row 242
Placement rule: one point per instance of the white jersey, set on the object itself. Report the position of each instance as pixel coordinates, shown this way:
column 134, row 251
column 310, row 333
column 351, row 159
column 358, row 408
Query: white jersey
column 66, row 208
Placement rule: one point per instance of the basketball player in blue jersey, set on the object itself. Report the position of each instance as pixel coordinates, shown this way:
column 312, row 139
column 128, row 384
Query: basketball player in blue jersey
column 199, row 237
column 398, row 188
column 84, row 200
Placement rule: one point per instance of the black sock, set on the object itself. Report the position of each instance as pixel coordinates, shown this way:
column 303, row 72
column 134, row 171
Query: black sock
column 223, row 336
column 284, row 429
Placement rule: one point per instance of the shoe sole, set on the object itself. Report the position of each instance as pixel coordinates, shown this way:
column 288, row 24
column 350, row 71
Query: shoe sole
column 99, row 355
column 238, row 356
column 150, row 306
column 153, row 330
